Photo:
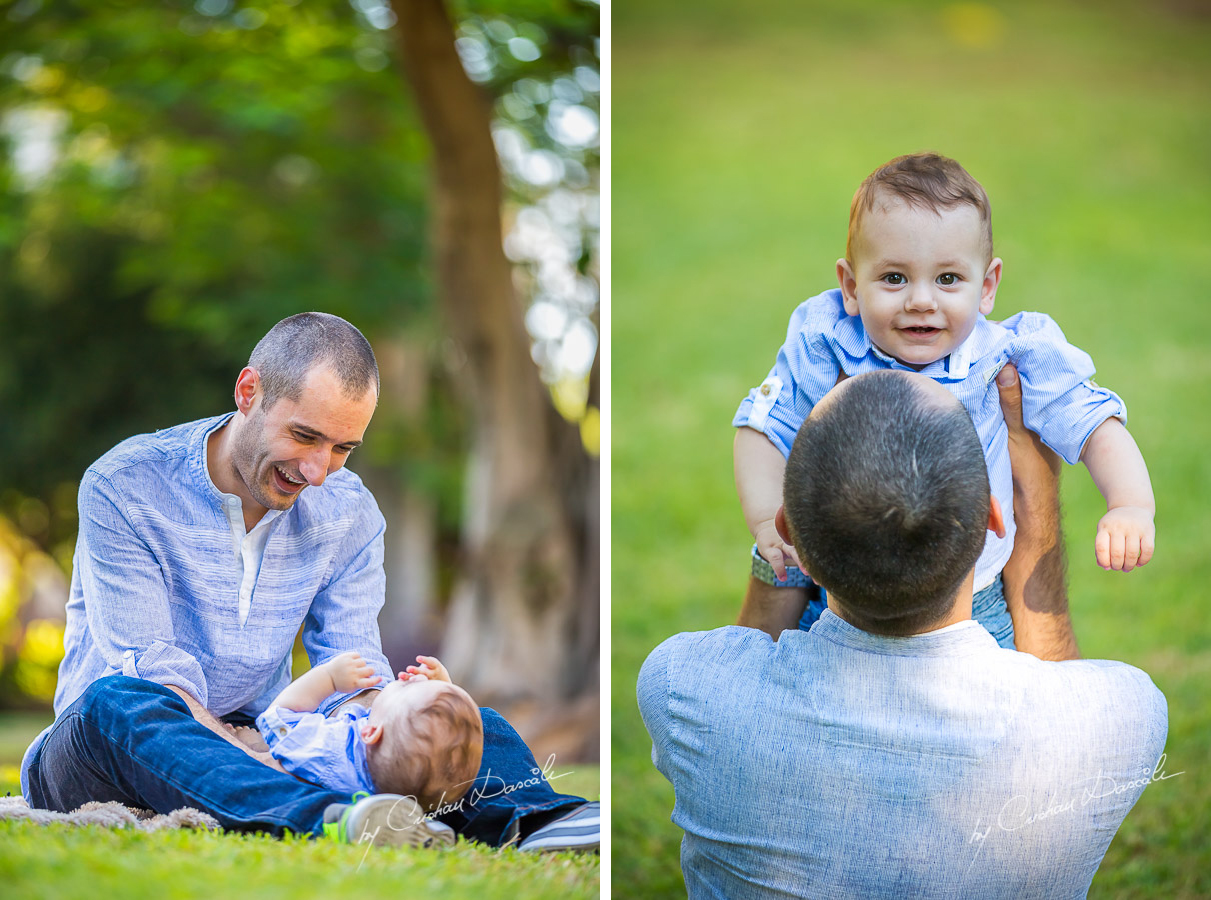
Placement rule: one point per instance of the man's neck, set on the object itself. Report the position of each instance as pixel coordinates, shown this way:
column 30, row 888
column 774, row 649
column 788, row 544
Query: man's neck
column 223, row 473
column 960, row 611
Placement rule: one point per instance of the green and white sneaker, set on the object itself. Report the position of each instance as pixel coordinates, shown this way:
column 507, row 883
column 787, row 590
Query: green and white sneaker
column 384, row 820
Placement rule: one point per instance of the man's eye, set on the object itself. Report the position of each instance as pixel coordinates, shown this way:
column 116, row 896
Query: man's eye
column 302, row 438
column 947, row 279
column 894, row 278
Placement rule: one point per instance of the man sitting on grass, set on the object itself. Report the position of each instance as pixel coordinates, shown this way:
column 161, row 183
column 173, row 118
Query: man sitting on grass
column 895, row 750
column 203, row 549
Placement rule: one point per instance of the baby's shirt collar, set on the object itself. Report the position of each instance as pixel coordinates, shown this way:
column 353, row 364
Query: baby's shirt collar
column 850, row 337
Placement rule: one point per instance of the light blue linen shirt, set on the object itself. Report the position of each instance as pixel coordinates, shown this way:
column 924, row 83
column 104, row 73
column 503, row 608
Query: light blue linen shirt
column 156, row 587
column 328, row 752
column 1059, row 401
column 840, row 764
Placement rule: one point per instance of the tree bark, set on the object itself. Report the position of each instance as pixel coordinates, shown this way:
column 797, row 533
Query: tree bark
column 523, row 620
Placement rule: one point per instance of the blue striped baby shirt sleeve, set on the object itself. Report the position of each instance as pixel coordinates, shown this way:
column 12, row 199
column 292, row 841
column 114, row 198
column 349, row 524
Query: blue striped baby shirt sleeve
column 803, row 372
column 1060, row 401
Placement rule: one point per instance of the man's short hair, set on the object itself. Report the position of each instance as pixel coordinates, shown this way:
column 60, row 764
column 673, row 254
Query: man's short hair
column 295, row 346
column 886, row 497
column 433, row 754
column 926, row 181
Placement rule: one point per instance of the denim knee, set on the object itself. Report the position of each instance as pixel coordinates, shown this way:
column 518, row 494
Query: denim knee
column 113, row 695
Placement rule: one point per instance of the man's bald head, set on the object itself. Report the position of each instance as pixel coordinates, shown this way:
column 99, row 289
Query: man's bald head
column 887, row 500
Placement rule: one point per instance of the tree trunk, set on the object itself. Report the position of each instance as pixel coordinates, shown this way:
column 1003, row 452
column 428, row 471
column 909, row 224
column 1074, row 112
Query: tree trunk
column 523, row 621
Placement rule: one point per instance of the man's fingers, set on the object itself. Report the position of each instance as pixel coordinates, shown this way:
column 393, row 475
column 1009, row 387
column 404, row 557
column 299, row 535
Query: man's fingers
column 1010, row 389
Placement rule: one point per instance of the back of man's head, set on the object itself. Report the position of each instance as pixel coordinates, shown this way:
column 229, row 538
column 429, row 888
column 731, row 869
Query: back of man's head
column 886, row 497
column 296, row 345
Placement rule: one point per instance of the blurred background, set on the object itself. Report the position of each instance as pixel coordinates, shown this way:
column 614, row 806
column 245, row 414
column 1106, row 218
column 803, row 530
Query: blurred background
column 739, row 134
column 175, row 177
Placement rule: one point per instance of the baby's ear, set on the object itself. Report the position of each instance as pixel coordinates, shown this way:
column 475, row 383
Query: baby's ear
column 988, row 290
column 372, row 734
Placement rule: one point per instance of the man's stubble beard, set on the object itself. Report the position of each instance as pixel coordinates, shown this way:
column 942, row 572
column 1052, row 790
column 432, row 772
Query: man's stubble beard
column 246, row 448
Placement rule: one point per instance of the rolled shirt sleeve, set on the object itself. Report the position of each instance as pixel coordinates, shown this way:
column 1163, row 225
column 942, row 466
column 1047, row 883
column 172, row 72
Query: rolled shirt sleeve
column 1060, row 401
column 804, row 371
column 128, row 612
column 325, row 752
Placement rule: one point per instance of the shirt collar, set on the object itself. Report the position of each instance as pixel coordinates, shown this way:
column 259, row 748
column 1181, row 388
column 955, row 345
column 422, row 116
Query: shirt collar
column 958, row 639
column 850, row 337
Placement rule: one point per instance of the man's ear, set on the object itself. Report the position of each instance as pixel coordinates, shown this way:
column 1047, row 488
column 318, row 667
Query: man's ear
column 849, row 286
column 988, row 291
column 784, row 531
column 247, row 389
column 996, row 519
column 372, row 734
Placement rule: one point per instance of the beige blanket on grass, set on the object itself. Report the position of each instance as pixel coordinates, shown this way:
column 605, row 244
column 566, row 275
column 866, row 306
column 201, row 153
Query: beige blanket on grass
column 111, row 814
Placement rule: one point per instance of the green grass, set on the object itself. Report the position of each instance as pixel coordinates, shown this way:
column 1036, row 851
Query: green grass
column 739, row 133
column 63, row 862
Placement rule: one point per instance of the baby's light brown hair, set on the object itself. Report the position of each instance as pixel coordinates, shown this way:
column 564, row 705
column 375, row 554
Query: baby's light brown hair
column 433, row 755
column 926, row 181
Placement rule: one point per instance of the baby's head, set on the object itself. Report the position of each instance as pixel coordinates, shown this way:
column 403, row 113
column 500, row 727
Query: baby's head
column 424, row 739
column 918, row 264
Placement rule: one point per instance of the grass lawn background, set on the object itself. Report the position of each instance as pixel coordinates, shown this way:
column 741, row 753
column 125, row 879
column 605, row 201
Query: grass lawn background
column 739, row 133
column 64, row 862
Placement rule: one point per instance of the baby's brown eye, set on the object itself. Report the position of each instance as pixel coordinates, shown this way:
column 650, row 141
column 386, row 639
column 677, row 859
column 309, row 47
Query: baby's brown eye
column 948, row 279
column 894, row 278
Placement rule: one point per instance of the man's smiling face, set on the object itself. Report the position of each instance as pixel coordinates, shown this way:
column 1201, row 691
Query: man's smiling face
column 279, row 451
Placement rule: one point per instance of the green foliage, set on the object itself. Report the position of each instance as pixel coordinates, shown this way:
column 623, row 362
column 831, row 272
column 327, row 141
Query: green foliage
column 212, row 177
column 739, row 136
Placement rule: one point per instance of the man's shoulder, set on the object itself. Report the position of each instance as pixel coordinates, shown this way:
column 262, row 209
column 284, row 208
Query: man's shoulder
column 1097, row 692
column 167, row 446
column 727, row 646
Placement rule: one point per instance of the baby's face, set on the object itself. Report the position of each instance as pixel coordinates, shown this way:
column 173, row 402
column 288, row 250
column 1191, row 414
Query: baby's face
column 919, row 279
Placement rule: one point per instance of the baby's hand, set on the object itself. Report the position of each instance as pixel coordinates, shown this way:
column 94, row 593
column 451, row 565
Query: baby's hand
column 774, row 550
column 429, row 668
column 1125, row 538
column 350, row 672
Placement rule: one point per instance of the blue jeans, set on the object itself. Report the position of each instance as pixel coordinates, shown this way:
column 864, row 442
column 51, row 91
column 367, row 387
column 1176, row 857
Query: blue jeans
column 136, row 742
column 987, row 607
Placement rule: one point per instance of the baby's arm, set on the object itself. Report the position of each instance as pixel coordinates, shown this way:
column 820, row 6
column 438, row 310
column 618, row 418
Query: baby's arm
column 429, row 668
column 346, row 672
column 759, row 467
column 1126, row 534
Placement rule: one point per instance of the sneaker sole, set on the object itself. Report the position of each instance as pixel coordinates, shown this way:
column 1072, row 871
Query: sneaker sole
column 392, row 820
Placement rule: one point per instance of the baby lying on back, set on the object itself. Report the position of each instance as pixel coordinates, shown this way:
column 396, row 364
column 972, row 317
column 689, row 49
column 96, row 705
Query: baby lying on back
column 422, row 737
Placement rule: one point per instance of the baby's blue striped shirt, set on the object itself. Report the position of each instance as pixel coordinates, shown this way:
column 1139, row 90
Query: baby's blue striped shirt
column 1059, row 401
